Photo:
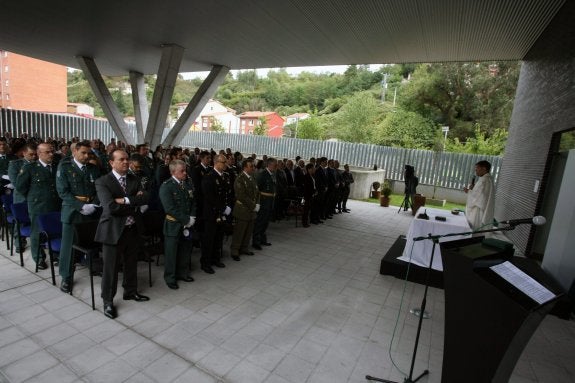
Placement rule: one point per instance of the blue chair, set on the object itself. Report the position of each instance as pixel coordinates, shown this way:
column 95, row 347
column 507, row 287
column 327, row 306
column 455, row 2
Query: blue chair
column 22, row 225
column 51, row 227
column 7, row 219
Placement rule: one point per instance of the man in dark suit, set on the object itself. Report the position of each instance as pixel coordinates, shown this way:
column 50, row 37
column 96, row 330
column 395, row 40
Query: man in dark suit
column 266, row 181
column 176, row 194
column 321, row 182
column 299, row 172
column 197, row 174
column 309, row 194
column 216, row 208
column 123, row 200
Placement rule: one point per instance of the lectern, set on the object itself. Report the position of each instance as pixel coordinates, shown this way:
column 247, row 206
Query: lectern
column 493, row 305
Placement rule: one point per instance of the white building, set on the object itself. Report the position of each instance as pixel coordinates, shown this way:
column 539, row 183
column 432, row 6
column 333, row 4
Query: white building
column 294, row 118
column 213, row 111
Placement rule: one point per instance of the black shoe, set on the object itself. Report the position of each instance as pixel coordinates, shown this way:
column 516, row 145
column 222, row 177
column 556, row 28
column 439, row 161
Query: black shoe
column 66, row 285
column 329, row 217
column 305, row 225
column 220, row 265
column 173, row 286
column 186, row 279
column 266, row 244
column 320, row 221
column 247, row 253
column 315, row 222
column 208, row 269
column 257, row 247
column 346, row 210
column 42, row 265
column 136, row 297
column 110, row 311
column 236, row 258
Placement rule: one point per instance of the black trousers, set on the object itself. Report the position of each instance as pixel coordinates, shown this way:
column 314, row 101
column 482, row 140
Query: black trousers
column 125, row 251
column 212, row 238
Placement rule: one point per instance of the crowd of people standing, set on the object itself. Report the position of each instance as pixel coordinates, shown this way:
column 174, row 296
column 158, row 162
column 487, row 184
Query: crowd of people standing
column 202, row 195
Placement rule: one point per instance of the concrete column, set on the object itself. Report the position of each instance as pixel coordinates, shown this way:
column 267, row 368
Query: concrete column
column 140, row 104
column 205, row 92
column 167, row 75
column 105, row 99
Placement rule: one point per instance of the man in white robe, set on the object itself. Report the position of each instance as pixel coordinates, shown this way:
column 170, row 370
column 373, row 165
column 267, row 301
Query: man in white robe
column 481, row 198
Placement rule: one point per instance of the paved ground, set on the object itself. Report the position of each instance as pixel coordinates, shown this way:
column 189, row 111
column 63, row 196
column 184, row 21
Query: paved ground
column 310, row 308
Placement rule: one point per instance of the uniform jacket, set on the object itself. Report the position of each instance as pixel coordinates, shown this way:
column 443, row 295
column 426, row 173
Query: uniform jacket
column 179, row 203
column 247, row 196
column 38, row 185
column 13, row 171
column 266, row 182
column 214, row 195
column 71, row 181
column 114, row 215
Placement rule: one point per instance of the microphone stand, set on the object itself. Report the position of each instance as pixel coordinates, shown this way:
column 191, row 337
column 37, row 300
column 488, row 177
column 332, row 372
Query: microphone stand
column 435, row 239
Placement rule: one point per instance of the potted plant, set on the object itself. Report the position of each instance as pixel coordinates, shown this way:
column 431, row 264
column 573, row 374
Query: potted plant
column 375, row 193
column 385, row 193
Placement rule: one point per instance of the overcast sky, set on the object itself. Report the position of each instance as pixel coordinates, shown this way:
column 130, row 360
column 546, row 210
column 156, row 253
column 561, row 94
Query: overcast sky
column 291, row 70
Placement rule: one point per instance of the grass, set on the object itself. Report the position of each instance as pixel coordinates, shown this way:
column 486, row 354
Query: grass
column 397, row 200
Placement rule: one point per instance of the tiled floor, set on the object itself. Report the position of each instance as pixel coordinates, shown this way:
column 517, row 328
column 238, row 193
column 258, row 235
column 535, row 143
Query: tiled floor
column 311, row 308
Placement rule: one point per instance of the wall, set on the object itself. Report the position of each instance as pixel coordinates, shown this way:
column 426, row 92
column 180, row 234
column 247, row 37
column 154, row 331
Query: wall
column 544, row 104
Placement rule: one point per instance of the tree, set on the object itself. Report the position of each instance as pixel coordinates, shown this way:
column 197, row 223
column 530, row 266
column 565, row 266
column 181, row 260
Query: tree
column 356, row 119
column 407, row 130
column 479, row 143
column 261, row 129
column 310, row 128
column 216, row 126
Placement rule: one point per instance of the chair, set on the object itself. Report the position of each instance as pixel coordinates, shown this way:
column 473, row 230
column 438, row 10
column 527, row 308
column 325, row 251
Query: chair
column 7, row 219
column 294, row 208
column 85, row 244
column 22, row 225
column 51, row 227
column 153, row 236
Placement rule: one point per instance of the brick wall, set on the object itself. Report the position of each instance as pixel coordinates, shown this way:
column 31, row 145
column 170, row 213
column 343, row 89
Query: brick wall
column 35, row 85
column 544, row 104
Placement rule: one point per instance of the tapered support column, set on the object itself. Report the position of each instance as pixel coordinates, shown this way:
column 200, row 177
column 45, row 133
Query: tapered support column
column 200, row 99
column 105, row 99
column 140, row 104
column 167, row 75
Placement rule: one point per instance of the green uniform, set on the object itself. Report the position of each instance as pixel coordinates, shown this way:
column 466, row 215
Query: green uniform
column 38, row 184
column 267, row 187
column 247, row 196
column 179, row 205
column 76, row 187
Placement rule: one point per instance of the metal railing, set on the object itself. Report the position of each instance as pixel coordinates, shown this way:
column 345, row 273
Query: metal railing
column 451, row 170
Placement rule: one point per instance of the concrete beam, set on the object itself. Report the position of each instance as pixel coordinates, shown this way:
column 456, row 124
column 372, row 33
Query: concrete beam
column 166, row 81
column 105, row 99
column 140, row 104
column 205, row 92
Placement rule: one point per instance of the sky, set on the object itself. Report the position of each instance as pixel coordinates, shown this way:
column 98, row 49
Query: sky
column 291, row 70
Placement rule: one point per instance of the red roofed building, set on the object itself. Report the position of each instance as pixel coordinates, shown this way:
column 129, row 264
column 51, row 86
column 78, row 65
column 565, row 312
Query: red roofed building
column 249, row 120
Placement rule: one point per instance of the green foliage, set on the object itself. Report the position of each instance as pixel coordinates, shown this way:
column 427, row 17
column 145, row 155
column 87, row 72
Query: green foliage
column 406, row 129
column 261, row 128
column 311, row 129
column 216, row 126
column 479, row 143
column 356, row 119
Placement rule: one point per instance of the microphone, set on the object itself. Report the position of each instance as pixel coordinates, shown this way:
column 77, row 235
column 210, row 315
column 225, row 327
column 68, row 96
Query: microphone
column 472, row 181
column 538, row 220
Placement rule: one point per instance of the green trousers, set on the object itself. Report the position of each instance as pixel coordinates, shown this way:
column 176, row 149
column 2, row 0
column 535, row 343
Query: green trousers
column 177, row 253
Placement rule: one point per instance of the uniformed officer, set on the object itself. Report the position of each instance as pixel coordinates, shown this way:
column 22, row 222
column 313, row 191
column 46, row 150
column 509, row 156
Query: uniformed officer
column 215, row 211
column 37, row 182
column 5, row 159
column 245, row 210
column 177, row 196
column 267, row 186
column 75, row 182
column 197, row 174
column 26, row 154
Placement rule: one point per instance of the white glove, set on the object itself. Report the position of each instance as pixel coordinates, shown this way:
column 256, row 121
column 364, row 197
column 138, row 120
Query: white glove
column 228, row 210
column 10, row 186
column 191, row 222
column 5, row 177
column 257, row 208
column 88, row 209
column 143, row 209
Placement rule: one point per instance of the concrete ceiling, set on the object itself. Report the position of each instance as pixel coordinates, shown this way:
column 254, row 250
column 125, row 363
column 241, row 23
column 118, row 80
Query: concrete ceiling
column 123, row 35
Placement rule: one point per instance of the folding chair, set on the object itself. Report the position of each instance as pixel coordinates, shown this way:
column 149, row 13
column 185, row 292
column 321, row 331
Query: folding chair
column 85, row 244
column 22, row 225
column 51, row 227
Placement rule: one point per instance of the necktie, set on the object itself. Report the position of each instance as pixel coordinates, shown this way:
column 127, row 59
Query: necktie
column 130, row 220
column 83, row 168
column 49, row 167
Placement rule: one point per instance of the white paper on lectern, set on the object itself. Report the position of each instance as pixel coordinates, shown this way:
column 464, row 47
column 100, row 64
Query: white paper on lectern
column 523, row 282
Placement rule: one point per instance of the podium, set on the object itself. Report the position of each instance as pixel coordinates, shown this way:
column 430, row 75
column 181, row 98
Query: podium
column 490, row 312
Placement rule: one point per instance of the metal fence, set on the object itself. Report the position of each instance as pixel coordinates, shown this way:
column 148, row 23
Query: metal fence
column 451, row 170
